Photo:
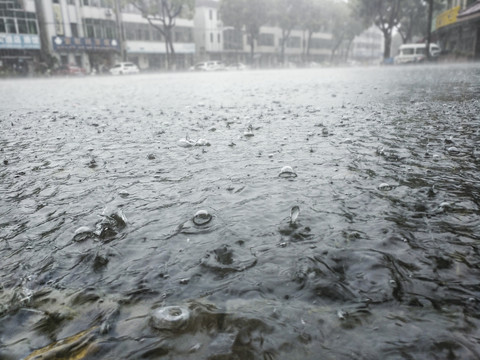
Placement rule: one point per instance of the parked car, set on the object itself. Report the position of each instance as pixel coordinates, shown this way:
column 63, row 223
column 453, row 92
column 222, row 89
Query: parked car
column 209, row 66
column 124, row 68
column 237, row 66
column 415, row 53
column 70, row 70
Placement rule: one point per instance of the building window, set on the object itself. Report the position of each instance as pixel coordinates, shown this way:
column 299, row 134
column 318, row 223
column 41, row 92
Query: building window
column 2, row 25
column 71, row 2
column 266, row 40
column 320, row 43
column 294, row 42
column 211, row 37
column 32, row 27
column 210, row 14
column 22, row 26
column 74, row 29
column 219, row 38
column 90, row 32
column 10, row 26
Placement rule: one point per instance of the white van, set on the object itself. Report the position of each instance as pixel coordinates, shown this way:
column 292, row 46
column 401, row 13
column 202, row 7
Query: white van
column 414, row 53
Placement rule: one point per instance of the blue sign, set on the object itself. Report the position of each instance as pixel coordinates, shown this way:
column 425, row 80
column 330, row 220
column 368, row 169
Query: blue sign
column 19, row 41
column 66, row 43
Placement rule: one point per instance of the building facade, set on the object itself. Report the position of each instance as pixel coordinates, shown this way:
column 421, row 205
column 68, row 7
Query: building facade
column 457, row 29
column 145, row 45
column 215, row 41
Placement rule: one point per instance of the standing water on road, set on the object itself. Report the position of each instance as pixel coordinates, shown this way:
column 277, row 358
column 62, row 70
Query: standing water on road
column 120, row 241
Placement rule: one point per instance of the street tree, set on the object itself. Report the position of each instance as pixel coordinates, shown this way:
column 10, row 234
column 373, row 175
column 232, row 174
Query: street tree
column 287, row 14
column 315, row 17
column 385, row 14
column 414, row 19
column 162, row 15
column 344, row 27
column 246, row 15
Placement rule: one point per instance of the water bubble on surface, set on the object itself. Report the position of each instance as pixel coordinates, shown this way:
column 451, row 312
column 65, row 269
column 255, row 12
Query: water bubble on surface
column 123, row 193
column 324, row 131
column 385, row 187
column 453, row 150
column 83, row 233
column 186, row 142
column 170, row 317
column 202, row 142
column 151, row 157
column 294, row 212
column 202, row 217
column 287, row 172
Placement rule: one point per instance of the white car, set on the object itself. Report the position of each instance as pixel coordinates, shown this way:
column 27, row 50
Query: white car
column 237, row 66
column 209, row 66
column 124, row 68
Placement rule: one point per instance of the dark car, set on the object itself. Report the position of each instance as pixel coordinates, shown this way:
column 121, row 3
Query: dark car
column 73, row 70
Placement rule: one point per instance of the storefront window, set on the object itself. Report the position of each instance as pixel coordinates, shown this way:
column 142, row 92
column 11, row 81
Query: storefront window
column 2, row 25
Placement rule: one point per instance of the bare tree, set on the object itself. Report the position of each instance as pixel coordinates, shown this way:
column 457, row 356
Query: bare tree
column 162, row 15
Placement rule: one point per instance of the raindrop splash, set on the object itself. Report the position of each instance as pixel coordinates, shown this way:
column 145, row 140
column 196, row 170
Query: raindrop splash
column 170, row 317
column 294, row 212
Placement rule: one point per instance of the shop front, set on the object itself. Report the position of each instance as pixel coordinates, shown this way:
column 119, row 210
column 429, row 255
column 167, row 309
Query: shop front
column 95, row 55
column 19, row 54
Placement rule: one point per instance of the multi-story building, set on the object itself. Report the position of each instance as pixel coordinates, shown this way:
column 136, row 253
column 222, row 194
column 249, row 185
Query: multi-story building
column 457, row 29
column 216, row 41
column 93, row 34
column 80, row 32
column 19, row 40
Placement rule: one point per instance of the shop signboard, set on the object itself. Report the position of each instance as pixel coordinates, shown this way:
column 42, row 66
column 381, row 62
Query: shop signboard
column 67, row 43
column 447, row 17
column 19, row 41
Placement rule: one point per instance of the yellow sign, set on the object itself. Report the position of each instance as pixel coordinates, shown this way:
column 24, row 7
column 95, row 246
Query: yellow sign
column 447, row 17
column 57, row 15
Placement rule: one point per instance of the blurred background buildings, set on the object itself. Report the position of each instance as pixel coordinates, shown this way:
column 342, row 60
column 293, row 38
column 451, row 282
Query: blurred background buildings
column 36, row 35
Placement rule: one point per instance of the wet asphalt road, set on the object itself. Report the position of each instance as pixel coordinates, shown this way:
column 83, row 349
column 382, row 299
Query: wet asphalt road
column 122, row 196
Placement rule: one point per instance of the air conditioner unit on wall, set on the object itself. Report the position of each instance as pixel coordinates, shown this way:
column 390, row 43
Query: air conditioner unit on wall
column 108, row 12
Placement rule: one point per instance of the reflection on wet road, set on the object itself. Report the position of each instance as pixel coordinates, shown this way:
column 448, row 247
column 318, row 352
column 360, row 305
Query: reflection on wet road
column 300, row 214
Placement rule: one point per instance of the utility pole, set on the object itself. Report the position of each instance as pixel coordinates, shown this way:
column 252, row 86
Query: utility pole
column 429, row 27
column 45, row 54
column 120, row 30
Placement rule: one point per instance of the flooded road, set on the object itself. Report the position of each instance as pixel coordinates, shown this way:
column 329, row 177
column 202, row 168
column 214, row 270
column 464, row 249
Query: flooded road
column 300, row 214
